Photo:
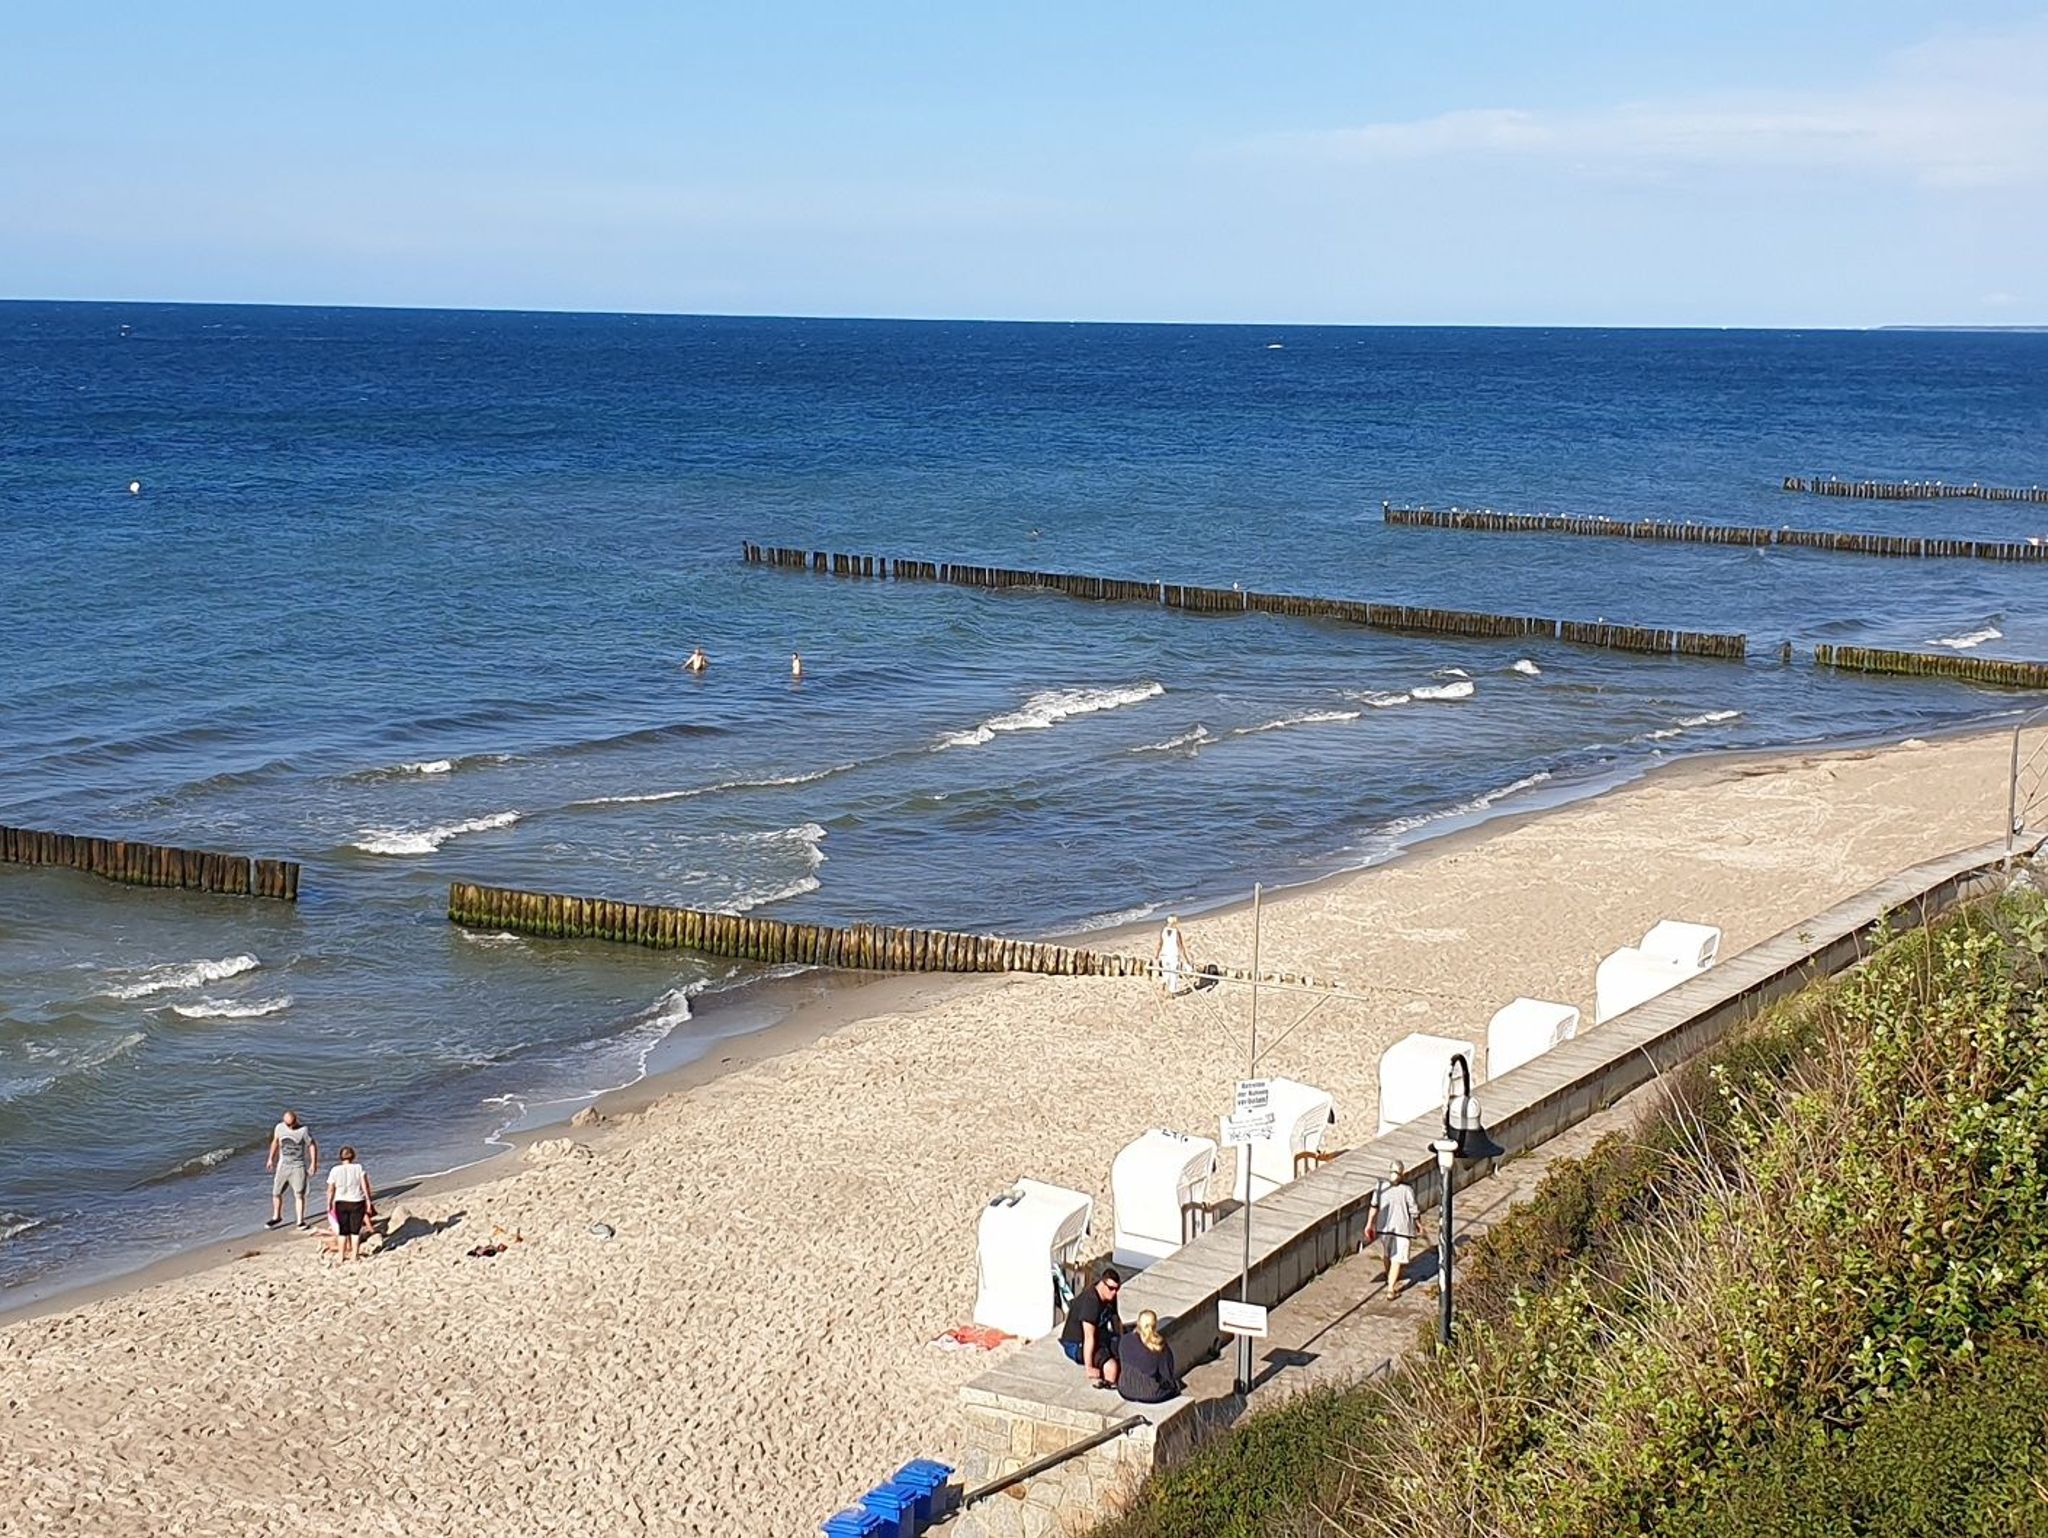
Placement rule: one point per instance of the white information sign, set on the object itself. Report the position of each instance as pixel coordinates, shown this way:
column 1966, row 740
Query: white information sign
column 1247, row 1127
column 1253, row 1094
column 1240, row 1318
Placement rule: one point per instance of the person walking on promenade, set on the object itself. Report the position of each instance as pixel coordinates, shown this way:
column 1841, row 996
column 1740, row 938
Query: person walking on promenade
column 294, row 1158
column 1392, row 1220
column 1090, row 1334
column 1144, row 1361
column 353, row 1201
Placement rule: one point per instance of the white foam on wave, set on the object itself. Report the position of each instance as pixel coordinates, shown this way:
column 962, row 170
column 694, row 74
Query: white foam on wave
column 428, row 766
column 1450, row 673
column 1309, row 718
column 1461, row 690
column 1189, row 740
column 427, row 840
column 806, row 839
column 186, row 974
column 1685, row 724
column 766, row 782
column 1963, row 643
column 1380, row 699
column 1049, row 707
column 502, row 937
column 1392, row 831
column 1528, row 667
column 211, row 1159
column 14, row 1224
column 229, row 1009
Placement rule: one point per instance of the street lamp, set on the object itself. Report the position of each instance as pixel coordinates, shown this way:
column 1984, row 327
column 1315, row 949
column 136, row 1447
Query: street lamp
column 1465, row 1141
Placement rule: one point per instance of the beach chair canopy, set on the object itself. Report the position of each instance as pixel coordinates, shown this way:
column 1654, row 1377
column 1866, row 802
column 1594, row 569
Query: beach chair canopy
column 1024, row 1236
column 1150, row 1181
column 1413, row 1075
column 1692, row 947
column 1302, row 1115
column 1526, row 1029
column 1628, row 978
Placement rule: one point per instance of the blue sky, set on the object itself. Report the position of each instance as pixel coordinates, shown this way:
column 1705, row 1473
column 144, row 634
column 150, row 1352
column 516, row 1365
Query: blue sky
column 1503, row 163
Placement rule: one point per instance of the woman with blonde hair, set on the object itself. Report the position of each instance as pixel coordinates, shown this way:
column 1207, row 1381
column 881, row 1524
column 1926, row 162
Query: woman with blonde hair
column 1148, row 1375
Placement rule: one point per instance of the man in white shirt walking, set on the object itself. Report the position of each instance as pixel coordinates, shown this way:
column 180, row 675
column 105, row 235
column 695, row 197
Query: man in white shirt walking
column 293, row 1160
column 1393, row 1223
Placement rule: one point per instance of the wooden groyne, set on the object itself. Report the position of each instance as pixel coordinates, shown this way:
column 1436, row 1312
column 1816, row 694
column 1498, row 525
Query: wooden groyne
column 139, row 864
column 864, row 947
column 859, row 947
column 1976, row 670
column 1911, row 491
column 1215, row 600
column 1912, row 545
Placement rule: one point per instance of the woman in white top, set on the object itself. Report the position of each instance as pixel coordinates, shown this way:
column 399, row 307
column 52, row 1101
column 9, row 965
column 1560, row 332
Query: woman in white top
column 352, row 1202
column 1175, row 975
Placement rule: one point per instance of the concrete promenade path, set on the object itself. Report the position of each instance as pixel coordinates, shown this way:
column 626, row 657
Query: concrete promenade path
column 1341, row 1328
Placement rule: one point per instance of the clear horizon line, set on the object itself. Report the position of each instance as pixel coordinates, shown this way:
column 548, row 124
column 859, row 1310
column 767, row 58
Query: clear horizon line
column 1025, row 320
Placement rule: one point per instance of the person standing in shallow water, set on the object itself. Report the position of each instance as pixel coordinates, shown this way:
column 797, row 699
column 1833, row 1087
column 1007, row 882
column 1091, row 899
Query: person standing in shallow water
column 697, row 662
column 354, row 1203
column 294, row 1159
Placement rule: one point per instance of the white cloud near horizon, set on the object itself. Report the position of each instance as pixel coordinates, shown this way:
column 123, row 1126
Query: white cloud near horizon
column 1959, row 113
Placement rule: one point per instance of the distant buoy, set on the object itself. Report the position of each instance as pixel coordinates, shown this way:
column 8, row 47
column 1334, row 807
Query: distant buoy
column 135, row 488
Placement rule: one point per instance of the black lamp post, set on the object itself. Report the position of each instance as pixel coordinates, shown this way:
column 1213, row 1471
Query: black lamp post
column 1465, row 1141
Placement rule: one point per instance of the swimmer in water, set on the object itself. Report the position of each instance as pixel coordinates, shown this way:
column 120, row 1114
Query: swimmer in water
column 796, row 666
column 698, row 661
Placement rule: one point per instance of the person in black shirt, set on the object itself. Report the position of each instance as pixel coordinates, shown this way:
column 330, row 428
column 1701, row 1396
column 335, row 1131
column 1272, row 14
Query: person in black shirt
column 1091, row 1330
column 1145, row 1370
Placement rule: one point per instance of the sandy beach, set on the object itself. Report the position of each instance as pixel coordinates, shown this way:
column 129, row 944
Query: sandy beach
column 750, row 1348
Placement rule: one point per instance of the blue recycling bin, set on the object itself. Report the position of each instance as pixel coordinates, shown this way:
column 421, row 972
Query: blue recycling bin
column 896, row 1505
column 854, row 1522
column 933, row 1481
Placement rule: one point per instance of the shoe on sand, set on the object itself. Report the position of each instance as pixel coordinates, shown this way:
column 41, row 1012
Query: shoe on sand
column 275, row 1223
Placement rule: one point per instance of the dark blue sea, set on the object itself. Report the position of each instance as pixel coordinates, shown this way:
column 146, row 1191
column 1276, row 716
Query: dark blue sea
column 404, row 596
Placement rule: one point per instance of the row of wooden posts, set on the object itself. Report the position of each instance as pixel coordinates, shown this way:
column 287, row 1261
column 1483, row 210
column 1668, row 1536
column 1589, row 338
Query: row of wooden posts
column 1911, row 491
column 1977, row 670
column 859, row 947
column 139, row 864
column 1213, row 600
column 1488, row 521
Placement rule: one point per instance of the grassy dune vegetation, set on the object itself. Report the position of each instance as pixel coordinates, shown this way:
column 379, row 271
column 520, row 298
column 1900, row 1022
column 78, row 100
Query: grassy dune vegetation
column 1806, row 1297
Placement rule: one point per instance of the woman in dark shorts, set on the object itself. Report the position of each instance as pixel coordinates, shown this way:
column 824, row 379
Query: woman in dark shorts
column 353, row 1202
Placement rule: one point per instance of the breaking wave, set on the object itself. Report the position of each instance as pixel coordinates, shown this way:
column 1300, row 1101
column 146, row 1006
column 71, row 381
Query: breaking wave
column 1528, row 666
column 427, row 840
column 1392, row 832
column 1686, row 723
column 1460, row 690
column 1963, row 643
column 1310, row 718
column 765, row 782
column 228, row 1009
column 189, row 974
column 1050, row 707
column 1188, row 740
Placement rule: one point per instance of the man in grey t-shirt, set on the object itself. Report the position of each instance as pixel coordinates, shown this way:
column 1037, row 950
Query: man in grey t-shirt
column 1393, row 1221
column 294, row 1158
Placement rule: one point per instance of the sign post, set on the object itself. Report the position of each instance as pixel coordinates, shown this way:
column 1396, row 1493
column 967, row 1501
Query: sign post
column 1250, row 1102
